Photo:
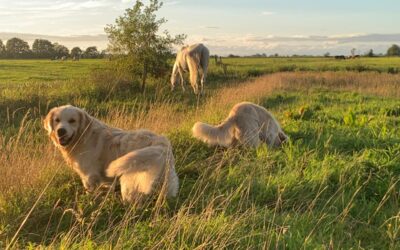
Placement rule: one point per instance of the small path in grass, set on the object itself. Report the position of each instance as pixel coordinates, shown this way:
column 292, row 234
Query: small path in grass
column 164, row 118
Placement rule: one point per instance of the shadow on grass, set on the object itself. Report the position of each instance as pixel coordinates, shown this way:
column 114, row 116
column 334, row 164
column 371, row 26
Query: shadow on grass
column 279, row 100
column 344, row 142
column 97, row 96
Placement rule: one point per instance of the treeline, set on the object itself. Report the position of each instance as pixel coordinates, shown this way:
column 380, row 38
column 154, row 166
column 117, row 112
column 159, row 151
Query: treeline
column 393, row 50
column 16, row 48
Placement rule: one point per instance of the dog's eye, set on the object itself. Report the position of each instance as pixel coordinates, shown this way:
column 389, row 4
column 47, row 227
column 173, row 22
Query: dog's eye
column 71, row 121
column 57, row 120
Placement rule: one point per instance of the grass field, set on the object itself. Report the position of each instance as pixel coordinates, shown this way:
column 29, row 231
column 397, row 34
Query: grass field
column 22, row 71
column 335, row 185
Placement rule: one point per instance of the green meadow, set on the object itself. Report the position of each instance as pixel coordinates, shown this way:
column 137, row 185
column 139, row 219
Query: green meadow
column 334, row 185
column 23, row 71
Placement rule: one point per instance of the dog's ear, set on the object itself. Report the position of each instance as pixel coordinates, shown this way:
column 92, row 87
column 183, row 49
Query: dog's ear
column 48, row 121
column 84, row 121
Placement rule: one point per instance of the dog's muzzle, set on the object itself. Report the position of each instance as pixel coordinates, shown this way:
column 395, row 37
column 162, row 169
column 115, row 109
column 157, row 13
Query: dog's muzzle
column 64, row 140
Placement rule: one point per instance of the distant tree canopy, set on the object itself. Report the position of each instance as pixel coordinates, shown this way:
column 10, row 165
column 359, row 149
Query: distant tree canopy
column 142, row 50
column 2, row 49
column 17, row 48
column 146, row 50
column 76, row 52
column 91, row 52
column 394, row 50
column 42, row 48
column 370, row 53
column 60, row 50
column 353, row 51
column 258, row 55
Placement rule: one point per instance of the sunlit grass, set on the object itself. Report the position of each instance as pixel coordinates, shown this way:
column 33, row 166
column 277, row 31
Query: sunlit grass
column 334, row 185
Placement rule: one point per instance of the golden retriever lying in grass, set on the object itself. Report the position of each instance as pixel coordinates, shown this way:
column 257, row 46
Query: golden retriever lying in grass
column 99, row 153
column 247, row 124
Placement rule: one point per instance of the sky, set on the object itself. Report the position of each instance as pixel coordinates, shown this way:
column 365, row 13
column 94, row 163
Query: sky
column 226, row 26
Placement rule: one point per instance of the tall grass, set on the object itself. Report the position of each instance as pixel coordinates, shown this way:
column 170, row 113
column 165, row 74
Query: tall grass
column 334, row 185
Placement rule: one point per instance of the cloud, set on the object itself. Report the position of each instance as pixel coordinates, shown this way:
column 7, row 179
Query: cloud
column 59, row 17
column 267, row 13
column 170, row 3
column 92, row 4
column 42, row 6
column 209, row 27
column 370, row 38
column 296, row 44
column 347, row 35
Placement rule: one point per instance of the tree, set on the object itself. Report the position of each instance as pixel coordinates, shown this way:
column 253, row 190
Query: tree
column 353, row 52
column 327, row 54
column 76, row 52
column 135, row 37
column 60, row 50
column 2, row 49
column 394, row 50
column 43, row 48
column 17, row 48
column 370, row 53
column 91, row 52
column 103, row 54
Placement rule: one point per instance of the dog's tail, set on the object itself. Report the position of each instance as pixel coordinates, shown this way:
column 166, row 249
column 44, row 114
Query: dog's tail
column 215, row 135
column 140, row 169
column 139, row 161
column 117, row 168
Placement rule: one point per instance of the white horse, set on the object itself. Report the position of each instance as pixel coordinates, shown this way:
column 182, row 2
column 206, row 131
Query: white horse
column 192, row 58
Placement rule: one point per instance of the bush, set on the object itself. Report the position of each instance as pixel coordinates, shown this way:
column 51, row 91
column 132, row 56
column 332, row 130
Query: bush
column 392, row 70
column 287, row 68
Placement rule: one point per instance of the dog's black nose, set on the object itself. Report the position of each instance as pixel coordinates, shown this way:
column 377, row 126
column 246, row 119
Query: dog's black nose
column 61, row 132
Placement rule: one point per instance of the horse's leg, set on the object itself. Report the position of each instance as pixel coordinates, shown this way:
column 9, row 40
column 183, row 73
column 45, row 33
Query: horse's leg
column 203, row 79
column 204, row 66
column 196, row 84
column 182, row 82
column 195, row 88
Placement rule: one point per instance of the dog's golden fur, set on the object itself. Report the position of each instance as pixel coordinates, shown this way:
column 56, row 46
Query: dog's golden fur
column 247, row 124
column 99, row 153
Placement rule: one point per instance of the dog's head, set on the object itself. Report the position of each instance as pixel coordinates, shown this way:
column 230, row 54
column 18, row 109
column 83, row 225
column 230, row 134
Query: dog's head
column 65, row 124
column 280, row 139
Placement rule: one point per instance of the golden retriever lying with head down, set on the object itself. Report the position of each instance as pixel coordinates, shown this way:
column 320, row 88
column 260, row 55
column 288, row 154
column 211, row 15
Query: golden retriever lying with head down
column 99, row 153
column 247, row 124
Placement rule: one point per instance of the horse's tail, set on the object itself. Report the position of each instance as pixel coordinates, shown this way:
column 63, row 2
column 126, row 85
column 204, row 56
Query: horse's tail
column 194, row 71
column 204, row 57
